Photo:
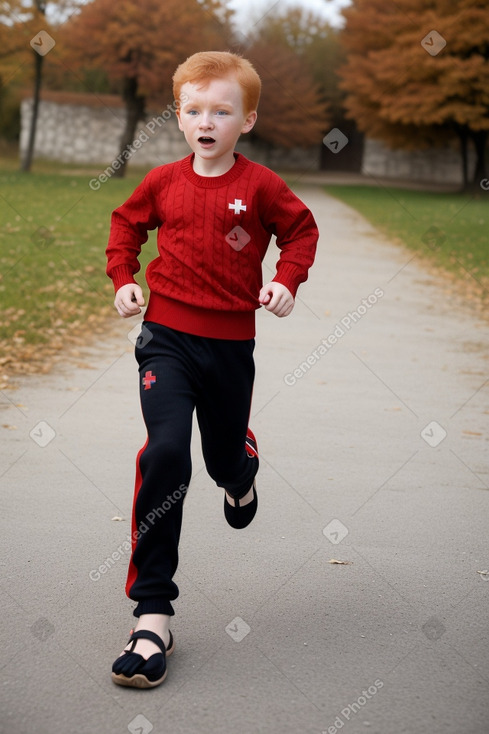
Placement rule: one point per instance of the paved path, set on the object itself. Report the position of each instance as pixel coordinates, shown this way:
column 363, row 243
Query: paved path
column 371, row 409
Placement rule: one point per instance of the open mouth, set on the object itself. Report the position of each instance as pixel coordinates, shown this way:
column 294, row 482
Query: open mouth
column 205, row 140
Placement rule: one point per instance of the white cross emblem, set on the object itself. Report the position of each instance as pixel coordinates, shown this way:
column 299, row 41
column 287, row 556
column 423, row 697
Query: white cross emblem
column 238, row 206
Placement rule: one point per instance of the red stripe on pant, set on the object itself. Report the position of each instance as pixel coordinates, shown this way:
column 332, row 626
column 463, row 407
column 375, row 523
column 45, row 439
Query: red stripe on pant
column 132, row 571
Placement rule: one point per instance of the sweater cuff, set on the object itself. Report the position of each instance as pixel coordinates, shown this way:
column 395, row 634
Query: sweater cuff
column 290, row 276
column 121, row 275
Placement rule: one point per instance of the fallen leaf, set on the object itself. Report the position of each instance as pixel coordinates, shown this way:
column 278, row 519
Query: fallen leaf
column 340, row 563
column 483, row 573
column 118, row 519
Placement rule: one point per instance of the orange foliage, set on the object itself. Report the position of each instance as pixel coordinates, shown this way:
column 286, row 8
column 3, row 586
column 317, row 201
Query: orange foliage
column 408, row 92
column 290, row 112
column 144, row 40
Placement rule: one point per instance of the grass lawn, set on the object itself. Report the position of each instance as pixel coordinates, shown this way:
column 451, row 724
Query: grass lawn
column 451, row 230
column 53, row 287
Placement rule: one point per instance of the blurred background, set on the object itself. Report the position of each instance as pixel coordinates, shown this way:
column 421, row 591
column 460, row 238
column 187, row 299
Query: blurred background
column 405, row 84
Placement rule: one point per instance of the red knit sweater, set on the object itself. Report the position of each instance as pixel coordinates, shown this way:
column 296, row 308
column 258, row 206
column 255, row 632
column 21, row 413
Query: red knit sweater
column 213, row 233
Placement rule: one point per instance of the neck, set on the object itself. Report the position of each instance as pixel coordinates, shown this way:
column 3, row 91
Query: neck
column 218, row 167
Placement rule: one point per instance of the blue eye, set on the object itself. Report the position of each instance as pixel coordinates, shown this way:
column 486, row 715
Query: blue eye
column 192, row 112
column 222, row 112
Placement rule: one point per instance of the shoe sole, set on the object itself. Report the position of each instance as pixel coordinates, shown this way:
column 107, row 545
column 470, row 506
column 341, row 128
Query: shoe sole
column 137, row 681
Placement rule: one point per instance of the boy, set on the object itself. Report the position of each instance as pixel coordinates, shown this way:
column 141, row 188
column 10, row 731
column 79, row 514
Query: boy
column 215, row 212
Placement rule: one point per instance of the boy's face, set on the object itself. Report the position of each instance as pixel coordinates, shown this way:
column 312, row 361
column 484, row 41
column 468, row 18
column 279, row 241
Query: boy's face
column 212, row 117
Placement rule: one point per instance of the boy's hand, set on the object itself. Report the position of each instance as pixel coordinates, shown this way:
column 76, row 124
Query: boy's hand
column 276, row 298
column 128, row 300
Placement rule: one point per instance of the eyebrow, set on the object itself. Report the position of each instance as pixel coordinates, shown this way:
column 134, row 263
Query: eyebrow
column 193, row 103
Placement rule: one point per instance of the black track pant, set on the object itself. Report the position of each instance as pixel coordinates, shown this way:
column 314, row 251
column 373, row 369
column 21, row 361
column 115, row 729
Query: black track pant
column 178, row 373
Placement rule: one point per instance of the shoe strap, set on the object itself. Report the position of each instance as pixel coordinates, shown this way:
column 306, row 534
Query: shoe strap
column 148, row 635
column 237, row 499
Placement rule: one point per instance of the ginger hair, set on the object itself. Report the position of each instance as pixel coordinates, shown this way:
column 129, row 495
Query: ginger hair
column 206, row 65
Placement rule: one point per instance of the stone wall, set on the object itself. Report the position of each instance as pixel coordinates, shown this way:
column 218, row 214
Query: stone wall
column 82, row 128
column 280, row 159
column 431, row 166
column 87, row 129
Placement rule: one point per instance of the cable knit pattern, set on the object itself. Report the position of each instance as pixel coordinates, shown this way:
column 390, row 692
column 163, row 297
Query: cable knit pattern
column 213, row 233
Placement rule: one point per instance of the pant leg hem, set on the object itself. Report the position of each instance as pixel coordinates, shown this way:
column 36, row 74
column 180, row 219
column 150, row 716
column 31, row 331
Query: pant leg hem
column 239, row 490
column 154, row 606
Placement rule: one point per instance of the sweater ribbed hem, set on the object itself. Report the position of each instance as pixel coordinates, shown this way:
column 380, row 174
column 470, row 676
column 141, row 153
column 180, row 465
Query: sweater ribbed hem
column 290, row 276
column 121, row 275
column 233, row 325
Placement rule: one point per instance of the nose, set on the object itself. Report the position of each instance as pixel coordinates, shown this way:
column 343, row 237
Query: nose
column 206, row 122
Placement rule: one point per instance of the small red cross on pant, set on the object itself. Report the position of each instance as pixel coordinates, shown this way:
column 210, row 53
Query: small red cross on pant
column 148, row 380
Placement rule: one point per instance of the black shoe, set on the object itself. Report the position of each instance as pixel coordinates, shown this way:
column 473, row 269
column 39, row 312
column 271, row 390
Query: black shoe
column 241, row 516
column 131, row 669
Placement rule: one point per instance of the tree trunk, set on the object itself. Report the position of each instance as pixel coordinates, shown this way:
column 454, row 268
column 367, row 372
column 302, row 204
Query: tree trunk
column 480, row 143
column 464, row 139
column 29, row 152
column 135, row 110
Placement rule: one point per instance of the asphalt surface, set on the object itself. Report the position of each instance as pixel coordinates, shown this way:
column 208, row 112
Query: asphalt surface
column 371, row 410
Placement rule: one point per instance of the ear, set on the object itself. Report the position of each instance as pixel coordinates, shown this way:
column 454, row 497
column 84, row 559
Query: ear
column 177, row 112
column 249, row 122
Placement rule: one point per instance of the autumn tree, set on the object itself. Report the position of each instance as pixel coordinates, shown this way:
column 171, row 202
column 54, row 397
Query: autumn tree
column 38, row 16
column 8, row 70
column 18, row 21
column 26, row 36
column 139, row 43
column 313, row 41
column 417, row 73
column 293, row 110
